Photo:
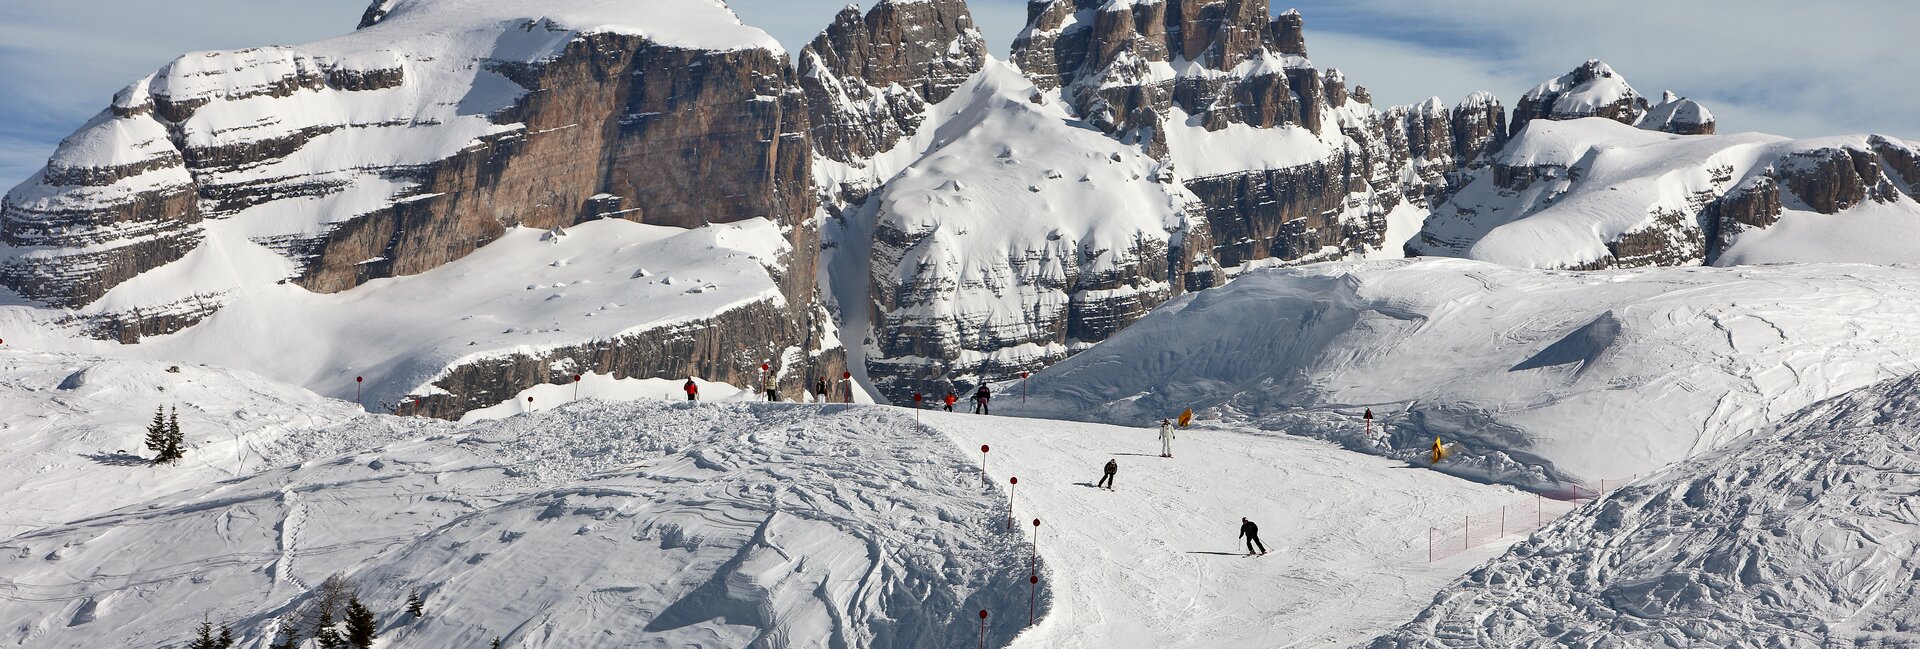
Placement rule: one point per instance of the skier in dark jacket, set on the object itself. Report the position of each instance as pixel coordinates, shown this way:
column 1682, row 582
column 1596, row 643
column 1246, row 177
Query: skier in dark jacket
column 1252, row 534
column 693, row 391
column 1107, row 480
column 980, row 398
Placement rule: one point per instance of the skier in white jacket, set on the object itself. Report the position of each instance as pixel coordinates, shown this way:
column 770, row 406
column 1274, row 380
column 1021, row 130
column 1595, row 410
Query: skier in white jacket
column 1166, row 438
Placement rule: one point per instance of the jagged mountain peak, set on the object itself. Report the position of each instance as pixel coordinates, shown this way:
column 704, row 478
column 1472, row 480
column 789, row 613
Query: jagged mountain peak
column 1593, row 89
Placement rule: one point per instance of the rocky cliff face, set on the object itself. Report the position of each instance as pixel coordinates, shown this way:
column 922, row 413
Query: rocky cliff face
column 1232, row 148
column 870, row 78
column 415, row 141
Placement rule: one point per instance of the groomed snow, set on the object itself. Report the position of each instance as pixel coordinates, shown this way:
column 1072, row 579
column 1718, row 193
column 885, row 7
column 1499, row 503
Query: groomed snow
column 1155, row 563
column 1542, row 376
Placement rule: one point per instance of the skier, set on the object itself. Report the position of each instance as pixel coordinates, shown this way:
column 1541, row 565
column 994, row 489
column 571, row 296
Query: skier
column 951, row 399
column 773, row 387
column 1252, row 533
column 980, row 398
column 693, row 391
column 1107, row 480
column 820, row 387
column 1166, row 438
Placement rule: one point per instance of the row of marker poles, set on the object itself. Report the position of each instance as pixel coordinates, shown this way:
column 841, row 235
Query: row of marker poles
column 1033, row 581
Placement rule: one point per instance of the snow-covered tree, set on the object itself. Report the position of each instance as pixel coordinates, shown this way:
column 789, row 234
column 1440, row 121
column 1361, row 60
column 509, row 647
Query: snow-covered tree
column 415, row 607
column 203, row 638
column 157, row 436
column 176, row 441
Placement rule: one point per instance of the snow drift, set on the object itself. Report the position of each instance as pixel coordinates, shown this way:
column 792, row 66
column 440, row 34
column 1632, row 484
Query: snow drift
column 1800, row 536
column 594, row 525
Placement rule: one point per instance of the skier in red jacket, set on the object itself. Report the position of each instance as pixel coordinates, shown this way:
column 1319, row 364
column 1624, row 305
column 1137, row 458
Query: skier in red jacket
column 693, row 391
column 951, row 399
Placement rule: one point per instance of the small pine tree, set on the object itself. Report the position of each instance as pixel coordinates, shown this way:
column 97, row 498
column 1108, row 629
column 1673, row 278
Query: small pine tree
column 157, row 436
column 203, row 637
column 289, row 637
column 226, row 637
column 176, row 441
column 496, row 642
column 415, row 607
column 327, row 636
column 360, row 625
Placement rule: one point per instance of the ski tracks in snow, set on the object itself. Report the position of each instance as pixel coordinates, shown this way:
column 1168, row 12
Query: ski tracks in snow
column 1156, row 562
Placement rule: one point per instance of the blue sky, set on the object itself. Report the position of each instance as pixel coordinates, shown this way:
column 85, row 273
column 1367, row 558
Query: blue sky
column 1780, row 66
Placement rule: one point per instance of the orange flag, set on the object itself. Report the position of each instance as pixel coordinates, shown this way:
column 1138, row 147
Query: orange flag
column 1186, row 418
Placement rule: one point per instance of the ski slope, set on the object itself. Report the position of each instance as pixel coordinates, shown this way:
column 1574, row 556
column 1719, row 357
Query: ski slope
column 1154, row 563
column 1544, row 377
column 668, row 523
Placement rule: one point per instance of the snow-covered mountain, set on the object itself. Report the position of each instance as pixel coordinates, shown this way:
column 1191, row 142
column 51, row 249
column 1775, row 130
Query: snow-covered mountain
column 1801, row 536
column 1578, row 187
column 950, row 217
column 1543, row 378
column 437, row 128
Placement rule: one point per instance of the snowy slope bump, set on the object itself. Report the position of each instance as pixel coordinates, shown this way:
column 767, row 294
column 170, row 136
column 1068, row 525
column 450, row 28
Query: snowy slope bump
column 1801, row 536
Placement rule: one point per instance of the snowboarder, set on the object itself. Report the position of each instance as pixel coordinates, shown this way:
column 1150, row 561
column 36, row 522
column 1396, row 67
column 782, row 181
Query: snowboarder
column 820, row 387
column 951, row 399
column 693, row 391
column 1252, row 534
column 773, row 387
column 1107, row 479
column 1166, row 438
column 980, row 398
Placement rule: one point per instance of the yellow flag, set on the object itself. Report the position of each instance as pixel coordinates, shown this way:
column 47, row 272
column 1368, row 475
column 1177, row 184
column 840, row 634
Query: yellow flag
column 1439, row 451
column 1186, row 418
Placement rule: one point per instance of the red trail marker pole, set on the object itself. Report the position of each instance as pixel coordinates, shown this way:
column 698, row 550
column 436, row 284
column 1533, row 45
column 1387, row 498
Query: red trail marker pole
column 983, row 628
column 1023, row 388
column 529, row 404
column 356, row 390
column 846, row 381
column 983, row 464
column 1369, row 417
column 916, row 409
column 1033, row 560
column 1011, row 482
column 576, row 387
column 1032, row 594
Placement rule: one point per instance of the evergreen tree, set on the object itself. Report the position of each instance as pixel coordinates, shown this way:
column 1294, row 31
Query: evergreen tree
column 176, row 441
column 226, row 637
column 496, row 642
column 415, row 607
column 203, row 637
column 157, row 437
column 289, row 637
column 360, row 627
column 325, row 634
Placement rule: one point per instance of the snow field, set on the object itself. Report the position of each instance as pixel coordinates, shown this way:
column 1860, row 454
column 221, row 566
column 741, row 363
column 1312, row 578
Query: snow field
column 590, row 525
column 74, row 429
column 1545, row 378
column 530, row 291
column 1154, row 563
